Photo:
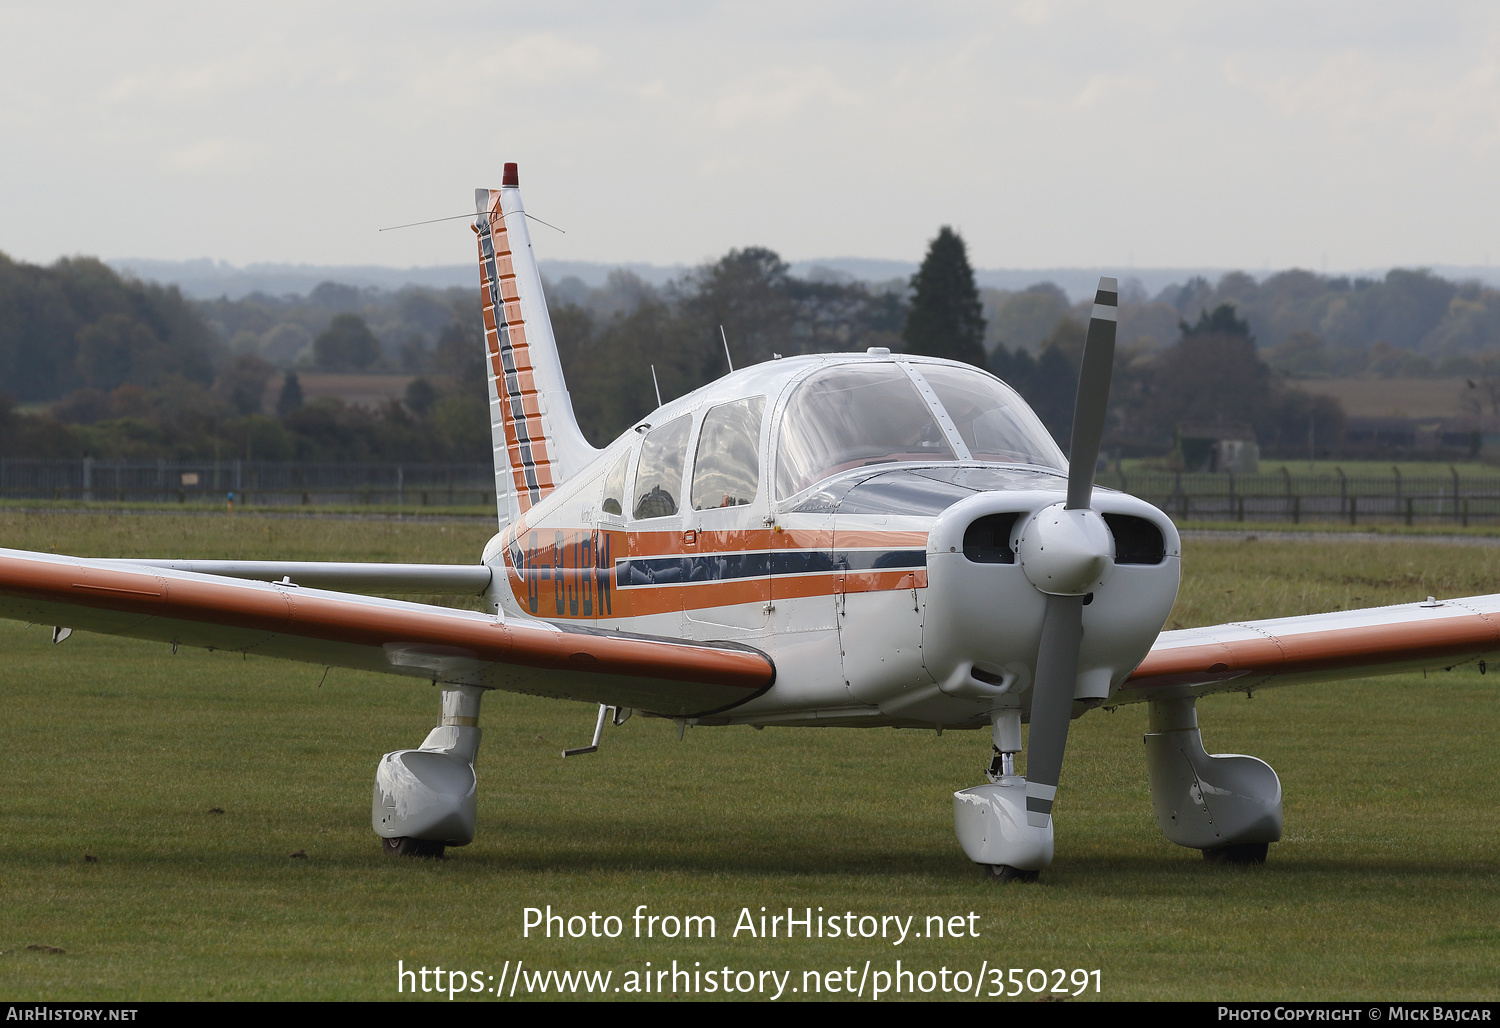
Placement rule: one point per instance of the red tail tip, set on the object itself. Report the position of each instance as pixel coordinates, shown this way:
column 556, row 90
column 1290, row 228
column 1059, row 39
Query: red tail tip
column 512, row 175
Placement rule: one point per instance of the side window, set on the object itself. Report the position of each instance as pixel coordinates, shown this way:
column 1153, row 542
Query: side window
column 614, row 487
column 726, row 469
column 658, row 476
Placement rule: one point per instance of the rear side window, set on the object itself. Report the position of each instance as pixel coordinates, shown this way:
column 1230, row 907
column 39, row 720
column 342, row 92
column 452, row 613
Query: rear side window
column 658, row 476
column 726, row 470
column 614, row 487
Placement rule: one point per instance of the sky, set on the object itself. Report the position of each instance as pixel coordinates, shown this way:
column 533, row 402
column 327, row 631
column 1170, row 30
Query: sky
column 1049, row 134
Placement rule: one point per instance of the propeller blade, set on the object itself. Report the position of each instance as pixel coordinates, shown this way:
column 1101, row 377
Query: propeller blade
column 1093, row 394
column 1062, row 622
column 1052, row 703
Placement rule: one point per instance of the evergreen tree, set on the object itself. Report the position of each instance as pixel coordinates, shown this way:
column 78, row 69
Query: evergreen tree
column 945, row 319
column 291, row 395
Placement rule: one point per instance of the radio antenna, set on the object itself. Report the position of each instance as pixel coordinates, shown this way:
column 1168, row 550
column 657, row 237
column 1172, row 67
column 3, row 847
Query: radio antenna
column 657, row 384
column 726, row 348
column 455, row 217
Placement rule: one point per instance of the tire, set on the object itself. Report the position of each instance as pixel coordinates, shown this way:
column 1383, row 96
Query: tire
column 1006, row 873
column 404, row 847
column 1245, row 854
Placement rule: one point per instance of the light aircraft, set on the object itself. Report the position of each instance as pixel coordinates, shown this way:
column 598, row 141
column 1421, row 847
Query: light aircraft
column 858, row 540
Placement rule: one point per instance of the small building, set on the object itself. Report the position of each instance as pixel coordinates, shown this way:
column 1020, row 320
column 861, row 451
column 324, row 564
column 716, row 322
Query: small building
column 1218, row 446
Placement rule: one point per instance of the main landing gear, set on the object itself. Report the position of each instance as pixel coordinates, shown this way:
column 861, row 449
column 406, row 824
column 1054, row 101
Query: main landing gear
column 1226, row 804
column 425, row 798
column 409, row 847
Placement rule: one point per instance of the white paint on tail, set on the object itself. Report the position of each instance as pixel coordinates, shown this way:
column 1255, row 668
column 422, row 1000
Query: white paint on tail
column 537, row 442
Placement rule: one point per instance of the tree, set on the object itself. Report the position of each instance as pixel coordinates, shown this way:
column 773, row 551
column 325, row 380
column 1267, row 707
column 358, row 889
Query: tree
column 291, row 395
column 1212, row 375
column 946, row 318
column 347, row 344
column 243, row 382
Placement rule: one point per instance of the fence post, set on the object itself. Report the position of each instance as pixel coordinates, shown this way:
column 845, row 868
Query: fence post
column 1287, row 477
column 1183, row 503
column 1408, row 510
column 1454, row 469
column 1353, row 510
column 1397, row 469
column 1296, row 510
column 1343, row 489
column 1240, row 507
column 88, row 479
column 1466, row 512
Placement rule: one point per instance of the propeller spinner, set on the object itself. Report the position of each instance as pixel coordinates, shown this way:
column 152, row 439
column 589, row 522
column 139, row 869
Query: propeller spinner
column 1066, row 550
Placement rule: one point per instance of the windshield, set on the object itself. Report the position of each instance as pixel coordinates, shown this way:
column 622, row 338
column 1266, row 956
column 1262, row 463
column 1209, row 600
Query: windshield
column 848, row 416
column 855, row 415
column 995, row 423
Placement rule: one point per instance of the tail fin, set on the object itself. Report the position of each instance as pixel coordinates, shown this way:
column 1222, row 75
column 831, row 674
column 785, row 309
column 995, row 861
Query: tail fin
column 538, row 444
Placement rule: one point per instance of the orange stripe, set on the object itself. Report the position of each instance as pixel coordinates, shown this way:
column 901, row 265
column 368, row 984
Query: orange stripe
column 347, row 620
column 1314, row 652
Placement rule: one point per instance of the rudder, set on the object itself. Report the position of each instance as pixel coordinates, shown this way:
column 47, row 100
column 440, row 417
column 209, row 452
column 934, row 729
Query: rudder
column 537, row 442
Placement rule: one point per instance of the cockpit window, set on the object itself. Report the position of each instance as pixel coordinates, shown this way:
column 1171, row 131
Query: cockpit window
column 614, row 487
column 726, row 471
column 658, row 476
column 995, row 423
column 852, row 415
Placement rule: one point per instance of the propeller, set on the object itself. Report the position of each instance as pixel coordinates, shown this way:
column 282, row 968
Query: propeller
column 1067, row 550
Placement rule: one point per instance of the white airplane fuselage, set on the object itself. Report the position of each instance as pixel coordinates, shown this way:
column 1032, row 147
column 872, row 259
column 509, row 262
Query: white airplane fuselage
column 888, row 590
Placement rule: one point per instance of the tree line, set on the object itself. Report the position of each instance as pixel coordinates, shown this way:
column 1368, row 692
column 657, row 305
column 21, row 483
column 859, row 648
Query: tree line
column 95, row 364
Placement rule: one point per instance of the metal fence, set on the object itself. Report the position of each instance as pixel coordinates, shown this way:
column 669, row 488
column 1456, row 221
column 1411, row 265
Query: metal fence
column 260, row 483
column 1284, row 496
column 1281, row 496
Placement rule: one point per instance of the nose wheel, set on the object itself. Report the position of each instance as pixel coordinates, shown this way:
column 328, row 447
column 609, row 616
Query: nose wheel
column 1006, row 873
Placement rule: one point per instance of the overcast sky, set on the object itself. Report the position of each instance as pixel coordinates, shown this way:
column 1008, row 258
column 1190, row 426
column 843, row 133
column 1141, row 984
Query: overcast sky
column 1271, row 134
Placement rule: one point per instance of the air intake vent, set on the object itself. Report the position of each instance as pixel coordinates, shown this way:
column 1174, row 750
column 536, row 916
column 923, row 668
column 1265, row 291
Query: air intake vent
column 987, row 541
column 1137, row 541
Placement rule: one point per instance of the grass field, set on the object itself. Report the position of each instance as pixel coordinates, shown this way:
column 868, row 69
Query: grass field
column 1385, row 885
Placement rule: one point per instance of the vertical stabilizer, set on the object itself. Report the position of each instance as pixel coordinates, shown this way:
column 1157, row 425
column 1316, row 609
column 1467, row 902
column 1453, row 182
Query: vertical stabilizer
column 538, row 444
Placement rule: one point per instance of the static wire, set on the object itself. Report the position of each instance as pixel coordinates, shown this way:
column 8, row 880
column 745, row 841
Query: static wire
column 455, row 217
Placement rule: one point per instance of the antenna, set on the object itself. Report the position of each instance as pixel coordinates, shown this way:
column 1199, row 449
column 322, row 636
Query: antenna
column 726, row 348
column 657, row 384
column 455, row 217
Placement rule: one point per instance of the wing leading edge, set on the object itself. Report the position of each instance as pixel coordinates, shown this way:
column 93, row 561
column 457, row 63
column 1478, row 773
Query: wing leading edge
column 1318, row 647
column 650, row 674
column 344, row 576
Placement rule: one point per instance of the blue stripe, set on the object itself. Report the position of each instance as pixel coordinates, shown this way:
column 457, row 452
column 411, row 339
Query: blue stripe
column 728, row 567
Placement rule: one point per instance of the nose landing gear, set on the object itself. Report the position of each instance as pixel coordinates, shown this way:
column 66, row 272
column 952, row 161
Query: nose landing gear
column 990, row 820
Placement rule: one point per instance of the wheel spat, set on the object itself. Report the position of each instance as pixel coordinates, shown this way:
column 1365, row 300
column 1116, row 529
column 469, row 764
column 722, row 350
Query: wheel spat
column 1062, row 622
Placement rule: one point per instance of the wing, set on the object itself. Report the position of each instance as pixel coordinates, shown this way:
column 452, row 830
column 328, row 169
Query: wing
column 1318, row 647
column 428, row 579
column 654, row 675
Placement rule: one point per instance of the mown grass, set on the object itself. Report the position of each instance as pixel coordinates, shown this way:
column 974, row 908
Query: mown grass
column 1385, row 885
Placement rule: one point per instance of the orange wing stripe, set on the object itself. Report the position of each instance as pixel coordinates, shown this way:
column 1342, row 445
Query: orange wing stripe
column 333, row 617
column 1335, row 649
